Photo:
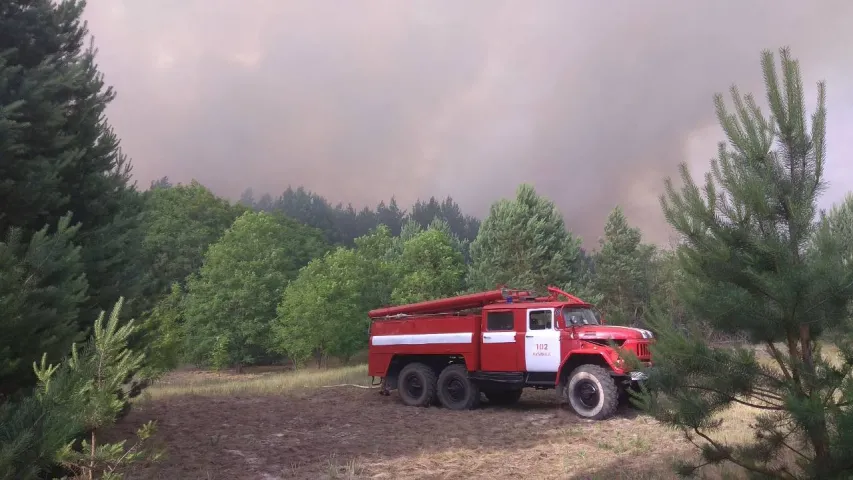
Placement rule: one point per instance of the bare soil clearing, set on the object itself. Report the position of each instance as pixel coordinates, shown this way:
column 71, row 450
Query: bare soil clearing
column 348, row 432
column 276, row 423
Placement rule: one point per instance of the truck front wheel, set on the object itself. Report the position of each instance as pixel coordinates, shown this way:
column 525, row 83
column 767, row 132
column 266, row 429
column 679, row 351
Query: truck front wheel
column 455, row 390
column 417, row 385
column 592, row 392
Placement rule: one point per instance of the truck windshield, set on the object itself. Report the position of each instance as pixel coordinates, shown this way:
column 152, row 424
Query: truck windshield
column 578, row 316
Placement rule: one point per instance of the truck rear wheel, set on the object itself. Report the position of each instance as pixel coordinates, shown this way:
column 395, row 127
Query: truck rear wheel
column 455, row 390
column 417, row 385
column 592, row 392
column 504, row 397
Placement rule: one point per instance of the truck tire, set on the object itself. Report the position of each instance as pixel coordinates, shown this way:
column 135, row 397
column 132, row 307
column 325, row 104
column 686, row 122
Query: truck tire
column 592, row 392
column 417, row 385
column 503, row 397
column 455, row 390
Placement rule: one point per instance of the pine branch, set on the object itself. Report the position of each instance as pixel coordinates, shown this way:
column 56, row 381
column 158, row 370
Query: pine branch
column 798, row 452
column 795, row 369
column 767, row 393
column 732, row 398
column 748, row 466
column 777, row 355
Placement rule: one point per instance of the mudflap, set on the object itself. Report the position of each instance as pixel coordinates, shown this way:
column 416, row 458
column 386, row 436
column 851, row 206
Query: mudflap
column 631, row 382
column 560, row 389
column 384, row 388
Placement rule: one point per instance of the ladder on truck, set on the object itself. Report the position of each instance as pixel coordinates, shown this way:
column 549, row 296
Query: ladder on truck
column 444, row 306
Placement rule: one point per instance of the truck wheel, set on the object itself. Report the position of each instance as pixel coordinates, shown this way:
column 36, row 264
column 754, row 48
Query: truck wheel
column 503, row 397
column 455, row 389
column 592, row 392
column 417, row 385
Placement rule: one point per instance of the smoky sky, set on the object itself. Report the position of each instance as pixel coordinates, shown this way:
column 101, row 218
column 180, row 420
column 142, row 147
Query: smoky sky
column 593, row 103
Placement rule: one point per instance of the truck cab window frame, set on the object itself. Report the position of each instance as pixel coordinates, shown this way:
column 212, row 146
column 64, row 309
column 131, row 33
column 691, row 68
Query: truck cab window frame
column 582, row 316
column 500, row 321
column 540, row 320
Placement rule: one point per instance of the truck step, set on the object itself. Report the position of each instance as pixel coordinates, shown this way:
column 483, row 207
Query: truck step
column 506, row 378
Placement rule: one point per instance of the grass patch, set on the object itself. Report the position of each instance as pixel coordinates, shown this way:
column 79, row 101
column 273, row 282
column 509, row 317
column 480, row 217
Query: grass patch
column 229, row 384
column 345, row 469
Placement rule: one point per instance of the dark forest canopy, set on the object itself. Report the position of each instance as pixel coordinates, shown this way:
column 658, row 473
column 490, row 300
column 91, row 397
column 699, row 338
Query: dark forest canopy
column 342, row 224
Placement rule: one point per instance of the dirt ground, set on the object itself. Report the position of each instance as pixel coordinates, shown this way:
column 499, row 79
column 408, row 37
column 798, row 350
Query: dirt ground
column 348, row 432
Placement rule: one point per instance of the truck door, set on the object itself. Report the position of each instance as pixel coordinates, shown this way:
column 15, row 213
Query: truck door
column 541, row 341
column 499, row 350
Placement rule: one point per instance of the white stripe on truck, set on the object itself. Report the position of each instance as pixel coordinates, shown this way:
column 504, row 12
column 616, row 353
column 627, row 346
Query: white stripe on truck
column 422, row 339
column 498, row 337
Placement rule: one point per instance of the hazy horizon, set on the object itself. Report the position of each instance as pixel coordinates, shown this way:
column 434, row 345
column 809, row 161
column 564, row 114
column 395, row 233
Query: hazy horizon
column 592, row 104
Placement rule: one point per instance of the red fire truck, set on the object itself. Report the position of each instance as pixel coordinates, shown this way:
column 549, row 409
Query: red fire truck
column 451, row 350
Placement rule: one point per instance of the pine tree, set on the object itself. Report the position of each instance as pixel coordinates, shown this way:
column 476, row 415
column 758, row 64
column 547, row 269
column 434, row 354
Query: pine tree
column 758, row 263
column 463, row 226
column 523, row 243
column 42, row 287
column 58, row 153
column 391, row 216
column 582, row 283
column 162, row 182
column 620, row 270
column 840, row 221
column 311, row 209
column 112, row 248
column 247, row 198
column 80, row 395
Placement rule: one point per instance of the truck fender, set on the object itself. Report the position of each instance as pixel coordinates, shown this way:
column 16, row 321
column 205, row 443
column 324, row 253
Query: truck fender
column 586, row 352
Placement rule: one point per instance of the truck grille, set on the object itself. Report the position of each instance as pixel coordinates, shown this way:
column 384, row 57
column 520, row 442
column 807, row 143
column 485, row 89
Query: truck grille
column 643, row 350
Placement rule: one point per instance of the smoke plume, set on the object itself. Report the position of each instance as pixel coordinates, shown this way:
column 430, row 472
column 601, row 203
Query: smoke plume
column 594, row 103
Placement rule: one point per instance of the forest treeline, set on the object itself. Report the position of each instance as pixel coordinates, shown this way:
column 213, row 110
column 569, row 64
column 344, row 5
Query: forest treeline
column 104, row 286
column 245, row 283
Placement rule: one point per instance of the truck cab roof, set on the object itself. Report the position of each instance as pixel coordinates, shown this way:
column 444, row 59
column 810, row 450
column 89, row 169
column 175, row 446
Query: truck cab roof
column 501, row 298
column 534, row 304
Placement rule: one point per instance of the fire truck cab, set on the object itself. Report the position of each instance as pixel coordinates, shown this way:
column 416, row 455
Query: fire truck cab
column 496, row 343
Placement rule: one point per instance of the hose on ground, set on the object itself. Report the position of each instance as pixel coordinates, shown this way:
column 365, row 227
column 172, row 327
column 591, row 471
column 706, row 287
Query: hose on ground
column 350, row 385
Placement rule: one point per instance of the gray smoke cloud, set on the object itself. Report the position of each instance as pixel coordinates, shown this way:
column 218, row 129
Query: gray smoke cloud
column 594, row 103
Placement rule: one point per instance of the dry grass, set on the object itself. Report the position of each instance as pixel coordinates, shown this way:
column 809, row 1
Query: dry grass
column 253, row 382
column 274, row 424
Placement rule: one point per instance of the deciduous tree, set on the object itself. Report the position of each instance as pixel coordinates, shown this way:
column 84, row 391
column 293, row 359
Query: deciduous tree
column 180, row 223
column 430, row 266
column 232, row 301
column 324, row 311
column 163, row 333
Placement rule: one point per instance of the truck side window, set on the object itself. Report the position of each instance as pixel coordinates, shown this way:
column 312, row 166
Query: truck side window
column 540, row 320
column 499, row 321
